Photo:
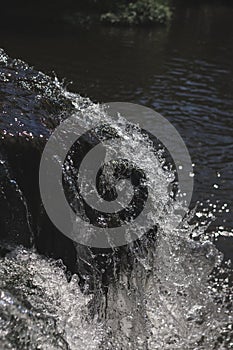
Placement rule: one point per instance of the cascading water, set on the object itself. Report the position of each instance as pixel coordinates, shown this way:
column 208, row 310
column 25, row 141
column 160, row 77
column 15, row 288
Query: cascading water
column 169, row 291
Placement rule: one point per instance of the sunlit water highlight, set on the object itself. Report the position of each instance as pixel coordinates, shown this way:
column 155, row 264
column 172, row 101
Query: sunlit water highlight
column 175, row 295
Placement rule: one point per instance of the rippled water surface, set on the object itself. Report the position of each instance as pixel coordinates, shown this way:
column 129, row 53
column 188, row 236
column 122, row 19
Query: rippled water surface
column 168, row 300
column 184, row 71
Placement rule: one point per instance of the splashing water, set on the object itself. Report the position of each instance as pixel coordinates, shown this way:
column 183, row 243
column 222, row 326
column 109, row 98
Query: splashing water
column 39, row 309
column 174, row 293
column 166, row 301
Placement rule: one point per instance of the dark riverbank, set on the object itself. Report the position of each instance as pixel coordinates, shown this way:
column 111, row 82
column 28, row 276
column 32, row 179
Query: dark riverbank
column 49, row 15
column 82, row 13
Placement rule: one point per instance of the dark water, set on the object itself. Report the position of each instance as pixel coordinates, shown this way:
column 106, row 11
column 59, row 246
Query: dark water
column 184, row 71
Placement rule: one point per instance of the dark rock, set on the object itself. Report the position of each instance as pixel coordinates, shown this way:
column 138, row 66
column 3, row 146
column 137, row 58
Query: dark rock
column 15, row 222
column 31, row 106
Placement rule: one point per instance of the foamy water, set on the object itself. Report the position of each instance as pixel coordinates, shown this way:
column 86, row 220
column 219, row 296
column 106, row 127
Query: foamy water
column 174, row 294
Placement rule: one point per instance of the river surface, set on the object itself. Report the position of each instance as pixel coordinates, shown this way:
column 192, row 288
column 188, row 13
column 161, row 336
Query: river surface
column 185, row 72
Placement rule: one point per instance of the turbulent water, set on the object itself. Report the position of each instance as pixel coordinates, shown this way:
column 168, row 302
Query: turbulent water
column 175, row 294
column 166, row 302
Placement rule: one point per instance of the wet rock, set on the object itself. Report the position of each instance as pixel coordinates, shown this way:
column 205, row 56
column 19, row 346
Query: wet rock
column 15, row 222
column 31, row 106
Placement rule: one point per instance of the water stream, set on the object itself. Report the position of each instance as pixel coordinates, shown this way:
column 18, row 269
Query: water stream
column 174, row 291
